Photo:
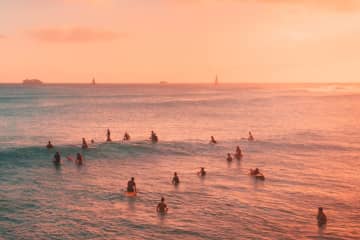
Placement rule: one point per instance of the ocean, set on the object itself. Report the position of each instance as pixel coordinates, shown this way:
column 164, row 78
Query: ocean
column 307, row 144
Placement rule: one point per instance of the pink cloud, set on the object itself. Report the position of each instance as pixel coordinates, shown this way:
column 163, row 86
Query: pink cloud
column 73, row 35
column 2, row 36
column 343, row 5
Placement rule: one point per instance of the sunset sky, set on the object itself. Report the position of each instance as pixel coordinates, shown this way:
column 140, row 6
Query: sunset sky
column 126, row 41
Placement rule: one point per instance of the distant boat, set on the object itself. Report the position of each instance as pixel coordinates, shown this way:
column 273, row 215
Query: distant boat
column 163, row 82
column 32, row 82
column 93, row 81
column 216, row 82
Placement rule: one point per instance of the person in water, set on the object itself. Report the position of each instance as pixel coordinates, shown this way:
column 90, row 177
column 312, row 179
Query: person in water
column 49, row 145
column 321, row 217
column 212, row 140
column 57, row 158
column 229, row 157
column 84, row 144
column 202, row 172
column 108, row 138
column 126, row 137
column 175, row 179
column 238, row 153
column 79, row 159
column 162, row 207
column 154, row 137
column 92, row 141
column 131, row 187
column 255, row 171
column 251, row 137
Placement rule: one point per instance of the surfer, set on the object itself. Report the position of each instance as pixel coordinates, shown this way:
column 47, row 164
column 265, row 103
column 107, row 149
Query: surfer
column 92, row 141
column 108, row 138
column 57, row 158
column 212, row 140
column 126, row 137
column 84, row 144
column 229, row 158
column 154, row 138
column 49, row 145
column 175, row 179
column 238, row 153
column 202, row 172
column 251, row 137
column 79, row 159
column 254, row 171
column 131, row 187
column 162, row 207
column 321, row 217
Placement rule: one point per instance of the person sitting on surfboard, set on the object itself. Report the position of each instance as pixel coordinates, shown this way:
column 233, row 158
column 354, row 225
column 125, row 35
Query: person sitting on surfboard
column 49, row 145
column 108, row 138
column 251, row 137
column 212, row 140
column 79, row 159
column 238, row 153
column 229, row 157
column 321, row 217
column 131, row 187
column 57, row 158
column 175, row 179
column 202, row 172
column 84, row 144
column 154, row 138
column 126, row 137
column 162, row 207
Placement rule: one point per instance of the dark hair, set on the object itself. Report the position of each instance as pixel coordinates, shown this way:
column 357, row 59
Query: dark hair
column 162, row 199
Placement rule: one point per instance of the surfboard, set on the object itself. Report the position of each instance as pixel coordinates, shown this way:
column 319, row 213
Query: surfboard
column 130, row 194
column 260, row 176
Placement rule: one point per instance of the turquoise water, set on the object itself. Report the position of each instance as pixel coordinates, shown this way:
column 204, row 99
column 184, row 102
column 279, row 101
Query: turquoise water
column 307, row 145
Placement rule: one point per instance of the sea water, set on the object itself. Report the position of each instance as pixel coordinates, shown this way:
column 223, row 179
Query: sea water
column 307, row 144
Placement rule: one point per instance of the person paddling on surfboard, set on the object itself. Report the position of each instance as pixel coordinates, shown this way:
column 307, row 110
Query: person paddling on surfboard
column 175, row 179
column 131, row 187
column 212, row 140
column 49, row 145
column 162, row 207
column 57, row 158
column 84, row 144
column 321, row 217
column 251, row 137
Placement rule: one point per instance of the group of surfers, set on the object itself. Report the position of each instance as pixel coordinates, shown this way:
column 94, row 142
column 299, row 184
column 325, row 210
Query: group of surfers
column 78, row 160
column 162, row 206
column 238, row 155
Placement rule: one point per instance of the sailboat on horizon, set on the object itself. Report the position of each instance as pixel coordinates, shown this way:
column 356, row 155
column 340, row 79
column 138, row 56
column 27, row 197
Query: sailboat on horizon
column 216, row 82
column 93, row 81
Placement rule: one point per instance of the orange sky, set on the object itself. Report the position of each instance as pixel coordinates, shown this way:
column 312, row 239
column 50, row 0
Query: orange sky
column 125, row 41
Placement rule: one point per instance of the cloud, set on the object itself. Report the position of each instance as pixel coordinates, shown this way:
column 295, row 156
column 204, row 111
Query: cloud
column 73, row 35
column 2, row 36
column 342, row 5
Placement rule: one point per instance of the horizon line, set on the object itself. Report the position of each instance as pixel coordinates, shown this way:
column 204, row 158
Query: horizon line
column 174, row 83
